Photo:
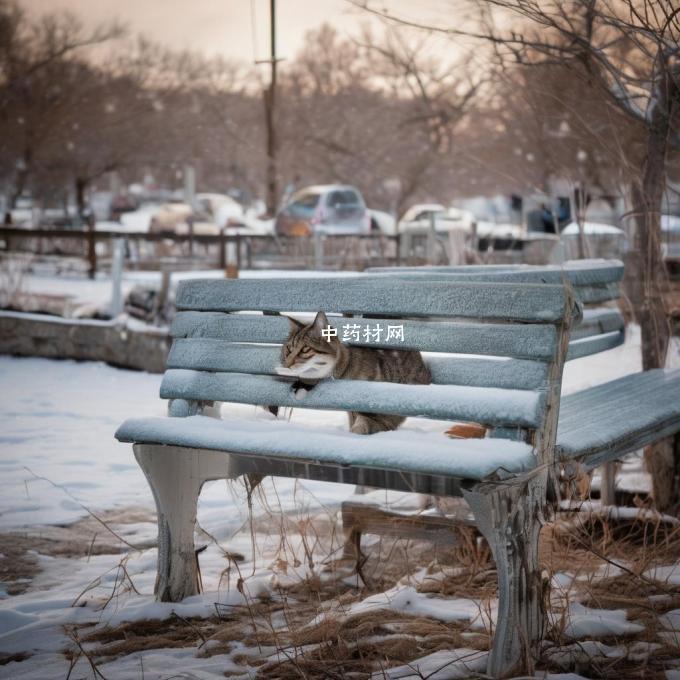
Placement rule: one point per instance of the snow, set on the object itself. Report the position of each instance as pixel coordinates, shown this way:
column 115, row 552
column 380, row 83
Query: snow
column 585, row 622
column 467, row 458
column 671, row 623
column 26, row 316
column 53, row 427
column 442, row 665
column 585, row 651
column 633, row 513
column 668, row 574
column 407, row 600
column 592, row 228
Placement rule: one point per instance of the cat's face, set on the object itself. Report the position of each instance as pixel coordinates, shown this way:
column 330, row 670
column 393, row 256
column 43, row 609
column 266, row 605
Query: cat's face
column 307, row 354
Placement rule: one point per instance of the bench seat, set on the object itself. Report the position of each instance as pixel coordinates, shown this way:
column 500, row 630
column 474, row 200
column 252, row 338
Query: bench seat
column 607, row 421
column 595, row 424
column 410, row 451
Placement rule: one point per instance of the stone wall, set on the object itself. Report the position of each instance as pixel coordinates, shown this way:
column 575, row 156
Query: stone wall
column 126, row 346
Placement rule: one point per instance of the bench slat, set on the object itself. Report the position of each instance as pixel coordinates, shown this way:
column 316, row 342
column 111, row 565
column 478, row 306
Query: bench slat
column 526, row 341
column 582, row 273
column 463, row 458
column 607, row 421
column 207, row 354
column 377, row 295
column 598, row 320
column 489, row 406
column 593, row 345
column 597, row 293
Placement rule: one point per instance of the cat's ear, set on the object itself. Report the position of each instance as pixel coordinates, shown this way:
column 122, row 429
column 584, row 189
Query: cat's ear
column 320, row 322
column 295, row 325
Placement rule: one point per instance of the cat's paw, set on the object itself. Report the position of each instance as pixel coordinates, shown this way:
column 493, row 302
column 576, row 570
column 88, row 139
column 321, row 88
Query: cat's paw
column 361, row 426
column 300, row 389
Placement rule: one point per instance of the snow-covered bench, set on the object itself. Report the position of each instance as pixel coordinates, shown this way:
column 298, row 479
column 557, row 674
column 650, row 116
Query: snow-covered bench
column 519, row 334
column 220, row 355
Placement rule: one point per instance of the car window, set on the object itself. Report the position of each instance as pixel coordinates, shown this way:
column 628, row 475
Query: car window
column 343, row 198
column 306, row 201
column 304, row 205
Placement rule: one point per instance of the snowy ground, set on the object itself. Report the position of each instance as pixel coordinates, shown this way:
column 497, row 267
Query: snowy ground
column 59, row 460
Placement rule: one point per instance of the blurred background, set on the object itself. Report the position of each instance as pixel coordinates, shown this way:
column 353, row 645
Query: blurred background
column 140, row 142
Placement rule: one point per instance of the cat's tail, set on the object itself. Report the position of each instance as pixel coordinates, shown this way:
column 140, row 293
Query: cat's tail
column 466, row 431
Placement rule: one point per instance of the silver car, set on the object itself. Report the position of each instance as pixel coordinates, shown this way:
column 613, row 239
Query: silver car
column 328, row 209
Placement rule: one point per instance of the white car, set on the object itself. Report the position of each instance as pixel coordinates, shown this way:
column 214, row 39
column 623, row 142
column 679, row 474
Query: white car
column 223, row 209
column 420, row 216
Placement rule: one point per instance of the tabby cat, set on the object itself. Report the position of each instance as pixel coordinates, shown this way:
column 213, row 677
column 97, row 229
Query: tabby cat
column 310, row 357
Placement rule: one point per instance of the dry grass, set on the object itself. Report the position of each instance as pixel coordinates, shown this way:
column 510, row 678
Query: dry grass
column 298, row 630
column 84, row 538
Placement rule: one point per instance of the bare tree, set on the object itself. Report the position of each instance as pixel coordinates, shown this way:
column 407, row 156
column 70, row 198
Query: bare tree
column 375, row 107
column 32, row 52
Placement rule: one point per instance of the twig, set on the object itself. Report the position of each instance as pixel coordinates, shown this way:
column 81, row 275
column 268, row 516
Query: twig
column 192, row 626
column 84, row 507
column 96, row 672
column 89, row 552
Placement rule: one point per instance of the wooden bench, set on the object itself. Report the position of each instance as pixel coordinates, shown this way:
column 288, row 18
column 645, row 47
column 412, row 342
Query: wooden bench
column 522, row 331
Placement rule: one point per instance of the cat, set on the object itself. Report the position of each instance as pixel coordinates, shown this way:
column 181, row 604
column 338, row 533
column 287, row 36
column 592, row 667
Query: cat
column 310, row 357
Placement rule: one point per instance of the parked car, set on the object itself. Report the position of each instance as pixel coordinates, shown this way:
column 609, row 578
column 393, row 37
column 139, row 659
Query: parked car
column 328, row 209
column 420, row 216
column 223, row 210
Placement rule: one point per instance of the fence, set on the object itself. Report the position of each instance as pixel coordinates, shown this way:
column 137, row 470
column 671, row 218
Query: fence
column 145, row 250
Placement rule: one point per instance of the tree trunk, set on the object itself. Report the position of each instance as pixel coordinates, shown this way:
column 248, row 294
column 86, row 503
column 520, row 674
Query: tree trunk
column 81, row 186
column 647, row 197
column 21, row 178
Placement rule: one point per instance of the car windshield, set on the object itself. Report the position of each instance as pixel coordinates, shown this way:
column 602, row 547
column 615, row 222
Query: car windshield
column 303, row 205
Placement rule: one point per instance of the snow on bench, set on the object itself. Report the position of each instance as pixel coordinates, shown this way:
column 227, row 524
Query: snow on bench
column 462, row 458
column 607, row 421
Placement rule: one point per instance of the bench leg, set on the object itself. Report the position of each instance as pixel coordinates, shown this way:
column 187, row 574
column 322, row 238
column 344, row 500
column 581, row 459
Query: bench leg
column 510, row 516
column 352, row 533
column 176, row 476
column 608, row 483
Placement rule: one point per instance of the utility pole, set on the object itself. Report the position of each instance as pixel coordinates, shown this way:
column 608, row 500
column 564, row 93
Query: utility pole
column 270, row 107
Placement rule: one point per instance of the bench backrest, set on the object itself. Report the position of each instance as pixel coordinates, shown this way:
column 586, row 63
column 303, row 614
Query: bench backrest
column 517, row 334
column 594, row 281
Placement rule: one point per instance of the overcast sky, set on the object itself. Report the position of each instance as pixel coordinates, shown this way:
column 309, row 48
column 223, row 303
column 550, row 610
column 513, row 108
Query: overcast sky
column 223, row 26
